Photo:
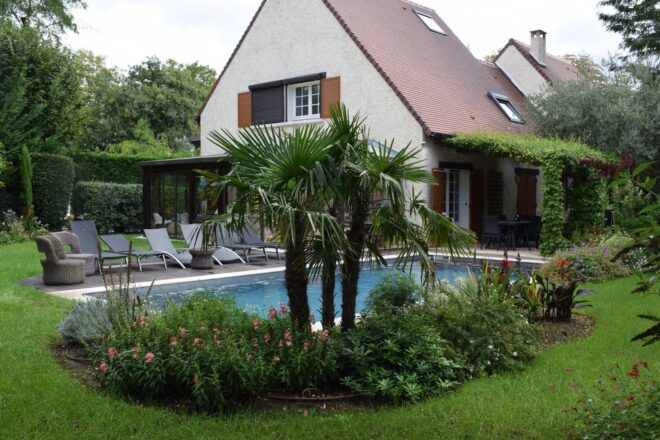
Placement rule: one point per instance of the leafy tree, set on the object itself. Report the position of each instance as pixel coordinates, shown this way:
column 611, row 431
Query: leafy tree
column 587, row 68
column 52, row 16
column 620, row 115
column 639, row 23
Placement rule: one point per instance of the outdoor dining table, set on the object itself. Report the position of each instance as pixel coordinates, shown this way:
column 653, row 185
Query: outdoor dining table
column 512, row 229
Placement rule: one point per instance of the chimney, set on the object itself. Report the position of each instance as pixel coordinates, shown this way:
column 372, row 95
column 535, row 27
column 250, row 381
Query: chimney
column 537, row 46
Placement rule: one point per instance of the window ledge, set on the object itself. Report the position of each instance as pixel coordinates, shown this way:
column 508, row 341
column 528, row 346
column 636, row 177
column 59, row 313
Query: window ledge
column 291, row 124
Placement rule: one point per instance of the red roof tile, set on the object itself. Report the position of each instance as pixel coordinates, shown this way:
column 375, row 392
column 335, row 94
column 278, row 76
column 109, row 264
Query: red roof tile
column 556, row 69
column 435, row 75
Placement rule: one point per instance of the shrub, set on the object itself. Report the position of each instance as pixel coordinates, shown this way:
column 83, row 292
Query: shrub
column 216, row 355
column 112, row 168
column 486, row 328
column 588, row 262
column 398, row 355
column 394, row 291
column 88, row 323
column 625, row 406
column 112, row 206
column 52, row 181
column 14, row 229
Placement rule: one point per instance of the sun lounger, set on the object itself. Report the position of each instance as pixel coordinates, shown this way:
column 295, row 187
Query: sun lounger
column 119, row 244
column 224, row 238
column 88, row 238
column 193, row 236
column 251, row 238
column 160, row 241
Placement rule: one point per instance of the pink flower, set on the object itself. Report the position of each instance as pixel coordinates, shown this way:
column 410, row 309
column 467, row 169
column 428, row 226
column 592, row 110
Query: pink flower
column 287, row 335
column 141, row 321
column 325, row 334
column 103, row 367
column 284, row 310
column 218, row 341
column 280, row 344
column 112, row 353
column 255, row 342
column 272, row 313
column 149, row 357
column 202, row 326
column 256, row 323
column 197, row 342
column 195, row 379
column 173, row 340
column 183, row 332
column 216, row 330
column 569, row 370
column 266, row 338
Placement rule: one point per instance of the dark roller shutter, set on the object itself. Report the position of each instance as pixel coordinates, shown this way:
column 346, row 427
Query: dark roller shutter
column 268, row 105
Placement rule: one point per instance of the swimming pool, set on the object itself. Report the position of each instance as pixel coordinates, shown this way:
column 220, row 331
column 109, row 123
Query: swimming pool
column 256, row 293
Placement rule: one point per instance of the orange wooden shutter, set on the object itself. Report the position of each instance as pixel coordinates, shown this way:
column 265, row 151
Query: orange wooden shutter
column 438, row 192
column 330, row 95
column 244, row 109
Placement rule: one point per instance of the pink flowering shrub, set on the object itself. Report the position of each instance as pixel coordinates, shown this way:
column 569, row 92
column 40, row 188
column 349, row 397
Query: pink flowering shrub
column 209, row 351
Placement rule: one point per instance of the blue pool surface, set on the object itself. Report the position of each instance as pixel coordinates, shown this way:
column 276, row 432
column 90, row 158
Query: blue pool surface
column 256, row 293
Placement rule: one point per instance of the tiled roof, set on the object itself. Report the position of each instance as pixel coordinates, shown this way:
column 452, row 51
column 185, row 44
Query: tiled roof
column 556, row 69
column 437, row 78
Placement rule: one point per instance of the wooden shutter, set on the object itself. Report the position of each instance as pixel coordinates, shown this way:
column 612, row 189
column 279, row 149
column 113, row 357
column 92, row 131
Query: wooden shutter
column 438, row 192
column 244, row 109
column 526, row 200
column 330, row 94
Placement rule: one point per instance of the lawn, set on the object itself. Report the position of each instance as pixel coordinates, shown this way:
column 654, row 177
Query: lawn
column 40, row 400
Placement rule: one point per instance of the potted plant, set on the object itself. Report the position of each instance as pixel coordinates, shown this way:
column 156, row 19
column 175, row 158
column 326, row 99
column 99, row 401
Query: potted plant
column 202, row 255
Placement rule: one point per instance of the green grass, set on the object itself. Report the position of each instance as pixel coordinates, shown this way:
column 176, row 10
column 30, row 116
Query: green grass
column 40, row 400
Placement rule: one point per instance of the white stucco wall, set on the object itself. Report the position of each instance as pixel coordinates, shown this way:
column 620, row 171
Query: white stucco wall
column 518, row 69
column 287, row 41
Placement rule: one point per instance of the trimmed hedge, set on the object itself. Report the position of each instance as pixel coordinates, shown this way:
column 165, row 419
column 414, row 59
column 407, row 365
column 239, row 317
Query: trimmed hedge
column 52, row 181
column 107, row 167
column 113, row 206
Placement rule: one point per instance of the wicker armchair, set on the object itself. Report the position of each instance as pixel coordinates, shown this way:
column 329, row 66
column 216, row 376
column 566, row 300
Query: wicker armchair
column 71, row 240
column 57, row 269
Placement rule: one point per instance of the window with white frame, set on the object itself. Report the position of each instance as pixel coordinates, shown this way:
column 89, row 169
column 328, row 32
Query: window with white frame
column 430, row 23
column 504, row 103
column 304, row 101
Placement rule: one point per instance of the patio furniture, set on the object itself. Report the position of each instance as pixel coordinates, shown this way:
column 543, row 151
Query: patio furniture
column 193, row 235
column 512, row 228
column 490, row 231
column 534, row 229
column 119, row 244
column 251, row 238
column 58, row 270
column 75, row 253
column 224, row 238
column 160, row 241
column 88, row 238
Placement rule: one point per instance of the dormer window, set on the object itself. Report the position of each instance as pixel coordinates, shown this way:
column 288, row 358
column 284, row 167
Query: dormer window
column 504, row 103
column 430, row 23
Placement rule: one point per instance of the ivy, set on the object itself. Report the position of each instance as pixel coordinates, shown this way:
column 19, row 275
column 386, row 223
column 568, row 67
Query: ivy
column 587, row 201
column 554, row 156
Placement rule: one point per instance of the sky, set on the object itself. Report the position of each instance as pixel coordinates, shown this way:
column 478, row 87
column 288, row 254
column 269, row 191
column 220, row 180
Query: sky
column 126, row 32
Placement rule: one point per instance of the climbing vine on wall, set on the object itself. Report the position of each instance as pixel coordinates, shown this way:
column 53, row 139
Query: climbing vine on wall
column 586, row 200
column 554, row 156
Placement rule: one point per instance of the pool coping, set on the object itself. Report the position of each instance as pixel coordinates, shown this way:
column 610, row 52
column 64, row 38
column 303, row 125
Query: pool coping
column 81, row 294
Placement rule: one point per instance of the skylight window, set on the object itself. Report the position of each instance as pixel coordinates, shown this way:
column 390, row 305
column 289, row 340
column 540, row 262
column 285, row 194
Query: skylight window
column 430, row 23
column 507, row 108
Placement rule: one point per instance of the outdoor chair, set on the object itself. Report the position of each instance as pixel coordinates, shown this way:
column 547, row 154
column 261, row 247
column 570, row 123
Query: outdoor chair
column 119, row 244
column 75, row 253
column 88, row 238
column 534, row 229
column 490, row 231
column 160, row 241
column 251, row 238
column 194, row 238
column 225, row 238
column 58, row 270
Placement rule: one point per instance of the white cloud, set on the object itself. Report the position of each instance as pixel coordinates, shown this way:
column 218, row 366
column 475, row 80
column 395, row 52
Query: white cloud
column 126, row 31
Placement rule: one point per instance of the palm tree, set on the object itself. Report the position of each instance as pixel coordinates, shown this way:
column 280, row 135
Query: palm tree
column 281, row 177
column 363, row 170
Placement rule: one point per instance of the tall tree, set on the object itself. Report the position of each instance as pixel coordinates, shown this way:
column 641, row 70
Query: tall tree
column 52, row 16
column 638, row 21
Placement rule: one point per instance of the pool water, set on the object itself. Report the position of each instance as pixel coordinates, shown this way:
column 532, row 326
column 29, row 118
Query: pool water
column 260, row 292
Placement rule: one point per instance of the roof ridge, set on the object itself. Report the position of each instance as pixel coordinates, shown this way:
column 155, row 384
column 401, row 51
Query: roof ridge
column 558, row 58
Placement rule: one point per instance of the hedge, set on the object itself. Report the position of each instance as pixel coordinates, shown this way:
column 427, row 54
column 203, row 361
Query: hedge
column 52, row 181
column 108, row 167
column 113, row 206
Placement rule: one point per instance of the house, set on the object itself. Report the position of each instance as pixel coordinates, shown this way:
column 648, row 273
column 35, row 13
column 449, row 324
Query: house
column 402, row 67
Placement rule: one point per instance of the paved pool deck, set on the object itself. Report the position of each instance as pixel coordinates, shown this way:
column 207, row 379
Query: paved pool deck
column 156, row 274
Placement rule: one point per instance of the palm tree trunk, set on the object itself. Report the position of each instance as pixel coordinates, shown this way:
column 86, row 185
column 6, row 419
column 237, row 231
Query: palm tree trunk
column 328, row 293
column 351, row 266
column 296, row 277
